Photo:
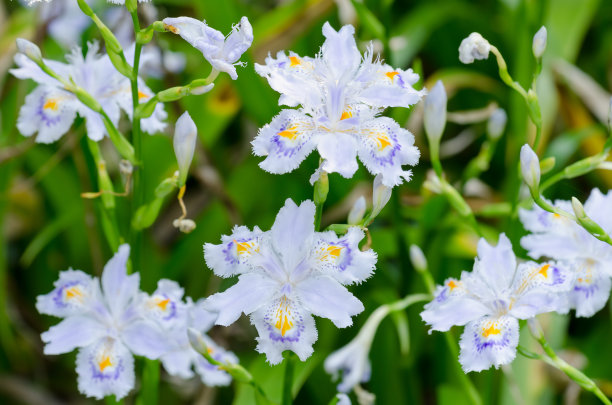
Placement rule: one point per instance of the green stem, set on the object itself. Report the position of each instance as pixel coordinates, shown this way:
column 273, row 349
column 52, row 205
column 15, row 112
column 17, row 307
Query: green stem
column 150, row 382
column 287, row 398
column 138, row 191
column 573, row 373
column 321, row 188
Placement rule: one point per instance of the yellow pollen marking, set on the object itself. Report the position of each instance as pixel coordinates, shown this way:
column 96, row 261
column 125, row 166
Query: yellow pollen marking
column 491, row 330
column 391, row 75
column 244, row 247
column 556, row 216
column 544, row 270
column 163, row 304
column 295, row 61
column 452, row 285
column 282, row 317
column 289, row 133
column 104, row 363
column 142, row 95
column 382, row 140
column 345, row 115
column 334, row 251
column 74, row 292
column 51, row 104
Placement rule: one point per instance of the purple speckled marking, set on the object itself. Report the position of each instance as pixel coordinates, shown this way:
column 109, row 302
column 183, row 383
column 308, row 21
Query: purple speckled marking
column 588, row 290
column 494, row 344
column 44, row 117
column 387, row 159
column 228, row 253
column 543, row 218
column 557, row 276
column 281, row 146
column 298, row 324
column 443, row 296
column 348, row 258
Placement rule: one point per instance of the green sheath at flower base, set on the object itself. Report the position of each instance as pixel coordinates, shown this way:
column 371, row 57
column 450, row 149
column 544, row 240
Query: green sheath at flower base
column 146, row 214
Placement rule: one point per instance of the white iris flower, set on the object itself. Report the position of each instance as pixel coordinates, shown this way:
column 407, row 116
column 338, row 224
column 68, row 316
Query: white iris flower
column 341, row 95
column 491, row 299
column 575, row 249
column 286, row 275
column 50, row 109
column 105, row 322
column 221, row 52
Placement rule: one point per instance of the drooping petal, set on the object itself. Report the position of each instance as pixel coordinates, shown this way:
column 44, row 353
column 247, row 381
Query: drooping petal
column 453, row 305
column 48, row 111
column 488, row 342
column 591, row 289
column 292, row 232
column 146, row 338
column 385, row 147
column 237, row 42
column 72, row 295
column 325, row 297
column 119, row 288
column 286, row 141
column 496, row 265
column 341, row 258
column 194, row 31
column 284, row 325
column 178, row 362
column 233, row 255
column 105, row 367
column 251, row 292
column 338, row 151
column 72, row 332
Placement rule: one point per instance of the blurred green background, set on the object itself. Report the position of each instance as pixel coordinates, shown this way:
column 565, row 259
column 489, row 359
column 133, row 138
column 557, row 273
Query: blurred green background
column 47, row 227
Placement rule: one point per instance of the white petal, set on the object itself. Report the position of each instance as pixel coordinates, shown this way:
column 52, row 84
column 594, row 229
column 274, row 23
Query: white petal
column 48, row 111
column 385, row 147
column 325, row 297
column 284, row 325
column 286, row 141
column 453, row 305
column 105, row 368
column 341, row 258
column 496, row 265
column 119, row 288
column 292, row 232
column 178, row 362
column 354, row 363
column 194, row 31
column 488, row 342
column 339, row 51
column 599, row 208
column 146, row 338
column 72, row 295
column 72, row 332
column 250, row 293
column 591, row 289
column 233, row 255
column 391, row 88
column 339, row 152
column 209, row 373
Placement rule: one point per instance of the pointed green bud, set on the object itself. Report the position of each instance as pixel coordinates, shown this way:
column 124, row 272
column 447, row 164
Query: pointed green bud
column 321, row 188
column 546, row 165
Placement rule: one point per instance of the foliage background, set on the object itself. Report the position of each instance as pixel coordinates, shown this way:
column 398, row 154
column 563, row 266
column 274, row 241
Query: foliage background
column 47, row 227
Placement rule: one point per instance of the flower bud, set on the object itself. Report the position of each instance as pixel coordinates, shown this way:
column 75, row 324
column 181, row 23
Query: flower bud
column 539, row 42
column 196, row 91
column 356, row 213
column 29, row 49
column 196, row 341
column 474, row 47
column 530, row 167
column 185, row 136
column 535, row 329
column 417, row 258
column 497, row 123
column 125, row 167
column 321, row 188
column 435, row 113
column 380, row 196
column 547, row 164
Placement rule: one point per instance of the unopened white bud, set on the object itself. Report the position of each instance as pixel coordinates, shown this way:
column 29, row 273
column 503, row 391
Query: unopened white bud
column 196, row 341
column 202, row 89
column 539, row 42
column 497, row 123
column 380, row 196
column 530, row 167
column 29, row 49
column 535, row 329
column 184, row 225
column 418, row 258
column 474, row 47
column 578, row 208
column 433, row 183
column 435, row 113
column 356, row 213
column 185, row 136
column 125, row 167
